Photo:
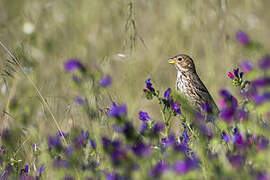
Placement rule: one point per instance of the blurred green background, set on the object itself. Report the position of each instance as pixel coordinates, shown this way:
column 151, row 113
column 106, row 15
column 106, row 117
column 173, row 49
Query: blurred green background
column 129, row 40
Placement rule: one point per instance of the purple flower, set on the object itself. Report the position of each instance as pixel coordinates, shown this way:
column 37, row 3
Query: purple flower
column 105, row 81
column 60, row 163
column 236, row 72
column 230, row 75
column 264, row 63
column 159, row 169
column 183, row 166
column 113, row 176
column 175, row 106
column 69, row 151
column 41, row 169
column 229, row 106
column 93, row 143
column 141, row 149
column 261, row 98
column 170, row 140
column 26, row 169
column 54, row 142
column 262, row 176
column 144, row 127
column 185, row 137
column 144, row 116
column 158, row 127
column 79, row 100
column 73, row 64
column 261, row 82
column 236, row 161
column 242, row 37
column 118, row 111
column 238, row 139
column 247, row 66
column 149, row 85
column 261, row 143
column 167, row 93
column 225, row 137
column 61, row 133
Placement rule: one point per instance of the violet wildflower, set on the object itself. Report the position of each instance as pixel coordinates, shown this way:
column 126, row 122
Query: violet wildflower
column 242, row 37
column 261, row 98
column 159, row 169
column 144, row 116
column 262, row 176
column 73, row 64
column 149, row 85
column 261, row 82
column 79, row 100
column 247, row 66
column 261, row 143
column 170, row 140
column 229, row 106
column 117, row 111
column 184, row 166
column 105, row 81
column 26, row 169
column 157, row 128
column 93, row 143
column 61, row 133
column 60, row 163
column 141, row 149
column 264, row 63
column 237, row 161
column 167, row 93
column 41, row 169
column 236, row 77
column 225, row 137
column 69, row 151
column 113, row 176
column 238, row 139
column 54, row 142
column 185, row 137
column 175, row 106
column 144, row 127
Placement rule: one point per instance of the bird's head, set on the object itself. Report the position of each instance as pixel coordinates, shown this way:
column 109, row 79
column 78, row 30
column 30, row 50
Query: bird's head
column 183, row 63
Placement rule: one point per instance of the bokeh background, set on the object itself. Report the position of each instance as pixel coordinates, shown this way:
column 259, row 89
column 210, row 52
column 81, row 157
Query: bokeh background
column 129, row 40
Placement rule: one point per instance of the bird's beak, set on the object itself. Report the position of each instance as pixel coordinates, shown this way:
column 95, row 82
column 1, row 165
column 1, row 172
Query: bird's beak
column 171, row 61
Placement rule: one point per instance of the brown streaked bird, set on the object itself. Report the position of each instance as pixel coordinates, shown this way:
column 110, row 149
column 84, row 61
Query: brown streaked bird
column 189, row 83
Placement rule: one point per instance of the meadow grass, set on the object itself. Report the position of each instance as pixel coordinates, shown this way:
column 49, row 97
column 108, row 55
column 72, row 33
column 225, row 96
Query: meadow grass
column 130, row 41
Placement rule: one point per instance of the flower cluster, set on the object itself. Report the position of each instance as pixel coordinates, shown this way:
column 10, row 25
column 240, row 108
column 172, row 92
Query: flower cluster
column 236, row 76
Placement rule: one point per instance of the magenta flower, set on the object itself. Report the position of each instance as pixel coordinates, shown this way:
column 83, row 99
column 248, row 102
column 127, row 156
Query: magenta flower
column 230, row 75
column 73, row 64
column 242, row 37
column 105, row 81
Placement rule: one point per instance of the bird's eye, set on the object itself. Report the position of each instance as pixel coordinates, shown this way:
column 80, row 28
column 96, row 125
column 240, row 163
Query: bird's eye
column 180, row 59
